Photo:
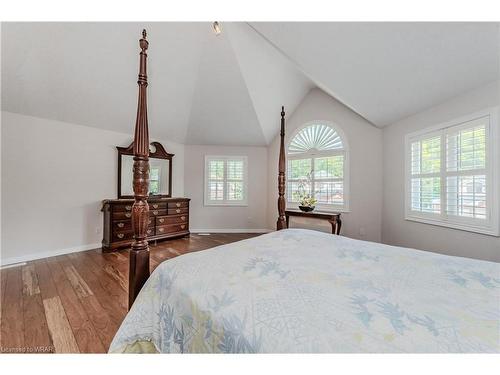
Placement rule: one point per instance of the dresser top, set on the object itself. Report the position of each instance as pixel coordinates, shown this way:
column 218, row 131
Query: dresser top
column 150, row 199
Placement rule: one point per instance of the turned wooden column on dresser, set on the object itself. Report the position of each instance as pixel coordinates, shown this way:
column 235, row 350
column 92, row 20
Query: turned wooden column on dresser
column 168, row 218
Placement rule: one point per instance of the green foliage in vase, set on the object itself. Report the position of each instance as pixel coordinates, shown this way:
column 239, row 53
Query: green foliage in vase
column 307, row 201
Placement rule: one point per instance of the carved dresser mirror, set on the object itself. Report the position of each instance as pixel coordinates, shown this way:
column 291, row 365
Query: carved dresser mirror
column 160, row 171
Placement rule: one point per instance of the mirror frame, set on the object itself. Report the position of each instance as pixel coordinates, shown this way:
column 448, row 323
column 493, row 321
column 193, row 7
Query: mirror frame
column 159, row 153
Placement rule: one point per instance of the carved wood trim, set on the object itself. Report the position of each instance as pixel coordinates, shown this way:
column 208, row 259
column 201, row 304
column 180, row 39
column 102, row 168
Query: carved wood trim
column 281, row 223
column 139, row 254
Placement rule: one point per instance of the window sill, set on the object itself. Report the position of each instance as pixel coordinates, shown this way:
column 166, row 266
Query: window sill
column 225, row 204
column 452, row 225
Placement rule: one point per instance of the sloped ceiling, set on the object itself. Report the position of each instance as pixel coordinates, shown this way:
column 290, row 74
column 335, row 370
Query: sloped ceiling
column 199, row 90
column 228, row 89
column 388, row 71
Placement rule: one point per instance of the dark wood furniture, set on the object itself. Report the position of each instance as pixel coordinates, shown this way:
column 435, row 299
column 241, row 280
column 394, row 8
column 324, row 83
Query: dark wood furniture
column 158, row 152
column 332, row 217
column 139, row 253
column 168, row 218
column 281, row 224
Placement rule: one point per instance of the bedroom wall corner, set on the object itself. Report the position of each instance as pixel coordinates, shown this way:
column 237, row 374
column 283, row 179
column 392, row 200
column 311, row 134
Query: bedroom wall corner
column 400, row 232
column 364, row 221
column 250, row 218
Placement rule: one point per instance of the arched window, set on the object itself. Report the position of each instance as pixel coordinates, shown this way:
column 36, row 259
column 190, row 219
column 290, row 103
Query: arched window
column 318, row 166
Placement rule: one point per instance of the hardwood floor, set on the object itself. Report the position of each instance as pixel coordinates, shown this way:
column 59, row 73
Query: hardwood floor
column 75, row 303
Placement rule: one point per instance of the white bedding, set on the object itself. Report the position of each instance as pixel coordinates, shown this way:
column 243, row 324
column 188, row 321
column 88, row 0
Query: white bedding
column 305, row 291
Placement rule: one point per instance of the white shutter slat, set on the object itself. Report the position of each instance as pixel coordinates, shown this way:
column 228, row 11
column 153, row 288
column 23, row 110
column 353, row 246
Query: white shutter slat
column 465, row 169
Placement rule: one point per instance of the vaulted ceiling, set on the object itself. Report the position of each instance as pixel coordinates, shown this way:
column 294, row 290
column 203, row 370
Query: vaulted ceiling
column 228, row 89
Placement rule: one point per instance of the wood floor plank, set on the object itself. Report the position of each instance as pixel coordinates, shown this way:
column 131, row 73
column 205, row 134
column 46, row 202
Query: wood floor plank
column 115, row 273
column 30, row 280
column 105, row 314
column 103, row 283
column 36, row 332
column 45, row 282
column 77, row 282
column 12, row 324
column 3, row 284
column 62, row 335
column 83, row 330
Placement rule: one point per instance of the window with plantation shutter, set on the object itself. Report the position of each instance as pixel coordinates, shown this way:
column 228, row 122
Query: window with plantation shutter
column 318, row 167
column 452, row 174
column 226, row 180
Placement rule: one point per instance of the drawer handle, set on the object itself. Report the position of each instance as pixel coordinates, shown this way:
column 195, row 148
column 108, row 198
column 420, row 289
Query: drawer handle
column 128, row 208
column 183, row 218
column 120, row 225
column 155, row 212
column 149, row 221
column 178, row 211
column 120, row 235
column 161, row 229
column 183, row 226
column 178, row 204
column 149, row 231
column 128, row 214
column 155, row 206
column 161, row 220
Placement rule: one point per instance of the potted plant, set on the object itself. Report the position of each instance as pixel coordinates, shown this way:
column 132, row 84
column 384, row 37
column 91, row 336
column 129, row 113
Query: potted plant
column 307, row 202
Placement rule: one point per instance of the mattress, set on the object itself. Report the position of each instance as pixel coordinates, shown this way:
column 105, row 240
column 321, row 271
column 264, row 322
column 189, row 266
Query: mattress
column 299, row 290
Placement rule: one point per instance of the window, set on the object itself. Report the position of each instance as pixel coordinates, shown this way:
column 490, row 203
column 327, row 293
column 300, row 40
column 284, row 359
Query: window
column 317, row 166
column 451, row 175
column 154, row 180
column 226, row 180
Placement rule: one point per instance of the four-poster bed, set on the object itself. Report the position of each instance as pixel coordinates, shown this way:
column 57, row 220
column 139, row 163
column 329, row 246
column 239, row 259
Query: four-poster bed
column 297, row 290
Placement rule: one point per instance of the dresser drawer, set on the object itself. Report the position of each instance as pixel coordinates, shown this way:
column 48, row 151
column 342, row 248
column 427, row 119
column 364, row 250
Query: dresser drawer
column 171, row 228
column 123, row 215
column 178, row 204
column 172, row 219
column 121, row 225
column 157, row 205
column 157, row 212
column 125, row 207
column 122, row 236
column 177, row 211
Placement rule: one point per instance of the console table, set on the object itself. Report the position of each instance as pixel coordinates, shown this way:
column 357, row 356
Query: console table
column 332, row 217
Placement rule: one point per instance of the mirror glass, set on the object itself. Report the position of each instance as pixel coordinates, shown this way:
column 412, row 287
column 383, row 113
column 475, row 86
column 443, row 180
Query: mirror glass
column 159, row 171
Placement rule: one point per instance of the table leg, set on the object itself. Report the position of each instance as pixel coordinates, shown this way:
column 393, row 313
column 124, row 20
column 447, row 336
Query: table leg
column 336, row 224
column 287, row 220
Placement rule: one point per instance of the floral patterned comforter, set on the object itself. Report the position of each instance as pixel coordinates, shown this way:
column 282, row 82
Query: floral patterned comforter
column 304, row 291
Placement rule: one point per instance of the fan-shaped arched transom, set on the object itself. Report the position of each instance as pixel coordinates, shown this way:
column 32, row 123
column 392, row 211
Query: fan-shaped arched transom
column 320, row 137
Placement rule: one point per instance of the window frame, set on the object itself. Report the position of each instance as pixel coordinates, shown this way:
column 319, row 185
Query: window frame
column 490, row 225
column 318, row 154
column 225, row 201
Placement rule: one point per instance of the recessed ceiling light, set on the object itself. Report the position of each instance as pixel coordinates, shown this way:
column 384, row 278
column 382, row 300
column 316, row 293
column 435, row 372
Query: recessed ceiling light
column 217, row 28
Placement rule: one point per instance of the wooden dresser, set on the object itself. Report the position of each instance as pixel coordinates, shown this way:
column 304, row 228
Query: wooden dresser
column 168, row 217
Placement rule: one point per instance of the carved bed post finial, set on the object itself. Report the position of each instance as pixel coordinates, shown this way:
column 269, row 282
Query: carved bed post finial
column 281, row 223
column 139, row 254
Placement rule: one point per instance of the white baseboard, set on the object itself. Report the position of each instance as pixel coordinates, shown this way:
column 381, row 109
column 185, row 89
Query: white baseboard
column 230, row 230
column 48, row 254
column 69, row 250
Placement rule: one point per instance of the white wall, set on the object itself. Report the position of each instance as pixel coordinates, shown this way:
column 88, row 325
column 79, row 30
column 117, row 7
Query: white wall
column 54, row 177
column 365, row 154
column 396, row 230
column 224, row 218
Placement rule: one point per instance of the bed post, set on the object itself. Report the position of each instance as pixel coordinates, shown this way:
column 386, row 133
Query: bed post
column 139, row 254
column 281, row 223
